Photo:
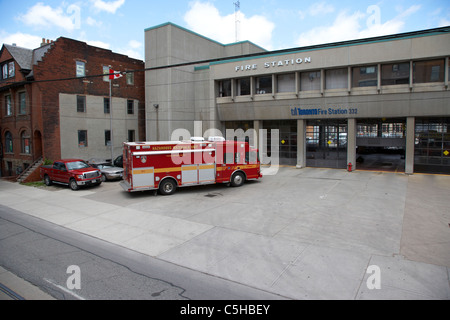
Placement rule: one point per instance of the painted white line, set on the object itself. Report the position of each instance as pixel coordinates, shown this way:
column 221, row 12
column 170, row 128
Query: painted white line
column 64, row 289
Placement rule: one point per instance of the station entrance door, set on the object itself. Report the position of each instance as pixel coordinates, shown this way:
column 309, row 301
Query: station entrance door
column 326, row 143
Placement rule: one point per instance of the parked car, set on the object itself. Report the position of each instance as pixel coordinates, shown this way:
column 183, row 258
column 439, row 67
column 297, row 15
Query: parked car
column 109, row 171
column 118, row 162
column 72, row 172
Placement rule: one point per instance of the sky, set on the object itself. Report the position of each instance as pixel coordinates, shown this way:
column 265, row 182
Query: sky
column 119, row 25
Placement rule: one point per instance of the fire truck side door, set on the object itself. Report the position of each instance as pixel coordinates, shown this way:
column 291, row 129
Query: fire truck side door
column 144, row 177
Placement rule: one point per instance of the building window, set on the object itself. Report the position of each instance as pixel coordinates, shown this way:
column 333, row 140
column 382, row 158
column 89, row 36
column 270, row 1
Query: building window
column 8, row 70
column 286, row 82
column 5, row 71
column 310, row 81
column 80, row 69
column 11, row 69
column 130, row 78
column 264, row 85
column 8, row 105
column 243, row 87
column 82, row 138
column 225, row 88
column 366, row 76
column 396, row 73
column 107, row 137
column 429, row 71
column 25, row 142
column 81, row 104
column 336, row 79
column 106, row 105
column 130, row 107
column 22, row 103
column 131, row 136
column 8, row 142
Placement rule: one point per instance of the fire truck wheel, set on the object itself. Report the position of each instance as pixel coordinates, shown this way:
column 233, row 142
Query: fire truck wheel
column 167, row 187
column 237, row 179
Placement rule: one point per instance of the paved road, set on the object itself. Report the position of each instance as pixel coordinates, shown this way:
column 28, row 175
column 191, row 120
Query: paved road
column 301, row 233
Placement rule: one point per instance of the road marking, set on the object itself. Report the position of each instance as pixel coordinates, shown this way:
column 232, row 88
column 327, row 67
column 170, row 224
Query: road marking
column 64, row 289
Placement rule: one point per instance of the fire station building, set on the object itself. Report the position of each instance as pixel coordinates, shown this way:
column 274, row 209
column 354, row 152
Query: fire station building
column 373, row 103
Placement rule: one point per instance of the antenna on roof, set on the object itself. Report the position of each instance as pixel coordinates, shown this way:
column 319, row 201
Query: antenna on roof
column 237, row 7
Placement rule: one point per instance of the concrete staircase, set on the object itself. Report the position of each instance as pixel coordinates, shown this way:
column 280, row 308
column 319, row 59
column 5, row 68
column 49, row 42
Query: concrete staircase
column 31, row 169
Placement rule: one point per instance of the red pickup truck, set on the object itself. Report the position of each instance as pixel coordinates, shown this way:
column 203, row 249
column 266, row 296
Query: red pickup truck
column 72, row 172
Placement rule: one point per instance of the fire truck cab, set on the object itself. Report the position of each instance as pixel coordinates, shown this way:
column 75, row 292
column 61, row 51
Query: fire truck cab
column 166, row 166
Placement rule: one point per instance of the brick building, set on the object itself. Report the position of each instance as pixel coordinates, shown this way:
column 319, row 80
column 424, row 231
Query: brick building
column 55, row 103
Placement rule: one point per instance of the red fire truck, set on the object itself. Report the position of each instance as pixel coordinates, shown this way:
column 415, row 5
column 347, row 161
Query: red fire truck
column 165, row 166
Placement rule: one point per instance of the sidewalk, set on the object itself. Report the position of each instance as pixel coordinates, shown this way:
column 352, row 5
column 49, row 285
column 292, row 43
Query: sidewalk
column 15, row 288
column 302, row 233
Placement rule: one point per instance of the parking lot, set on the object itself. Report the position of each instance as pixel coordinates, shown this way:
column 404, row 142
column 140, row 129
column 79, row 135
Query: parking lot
column 300, row 233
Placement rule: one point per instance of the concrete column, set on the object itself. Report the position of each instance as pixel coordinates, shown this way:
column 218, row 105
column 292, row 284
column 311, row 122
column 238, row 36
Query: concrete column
column 257, row 125
column 410, row 140
column 301, row 144
column 351, row 143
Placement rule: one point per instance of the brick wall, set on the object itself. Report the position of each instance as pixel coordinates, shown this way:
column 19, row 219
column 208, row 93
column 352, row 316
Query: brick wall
column 60, row 63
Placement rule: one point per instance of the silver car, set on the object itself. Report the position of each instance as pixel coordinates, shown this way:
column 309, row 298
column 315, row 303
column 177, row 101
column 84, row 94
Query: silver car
column 109, row 172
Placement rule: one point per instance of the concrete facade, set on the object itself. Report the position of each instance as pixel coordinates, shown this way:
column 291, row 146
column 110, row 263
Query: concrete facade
column 394, row 84
column 178, row 96
column 95, row 122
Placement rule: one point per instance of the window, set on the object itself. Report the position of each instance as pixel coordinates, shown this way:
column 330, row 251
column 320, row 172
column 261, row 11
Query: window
column 264, row 85
column 393, row 74
column 82, row 138
column 8, row 105
column 243, row 87
column 336, row 79
column 22, row 103
column 130, row 78
column 107, row 137
column 225, row 88
column 130, row 107
column 286, row 82
column 80, row 69
column 131, row 136
column 5, row 71
column 8, row 142
column 25, row 142
column 81, row 104
column 366, row 76
column 310, row 81
column 429, row 71
column 106, row 106
column 11, row 69
column 8, row 70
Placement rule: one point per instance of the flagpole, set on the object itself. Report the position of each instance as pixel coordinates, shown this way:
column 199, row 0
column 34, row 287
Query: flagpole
column 110, row 122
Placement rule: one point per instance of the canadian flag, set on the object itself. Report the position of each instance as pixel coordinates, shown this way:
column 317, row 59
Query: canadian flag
column 114, row 74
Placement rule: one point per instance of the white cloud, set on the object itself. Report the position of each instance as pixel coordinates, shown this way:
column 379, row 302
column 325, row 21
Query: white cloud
column 21, row 40
column 205, row 19
column 92, row 22
column 320, row 8
column 41, row 15
column 98, row 44
column 108, row 6
column 134, row 44
column 354, row 26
